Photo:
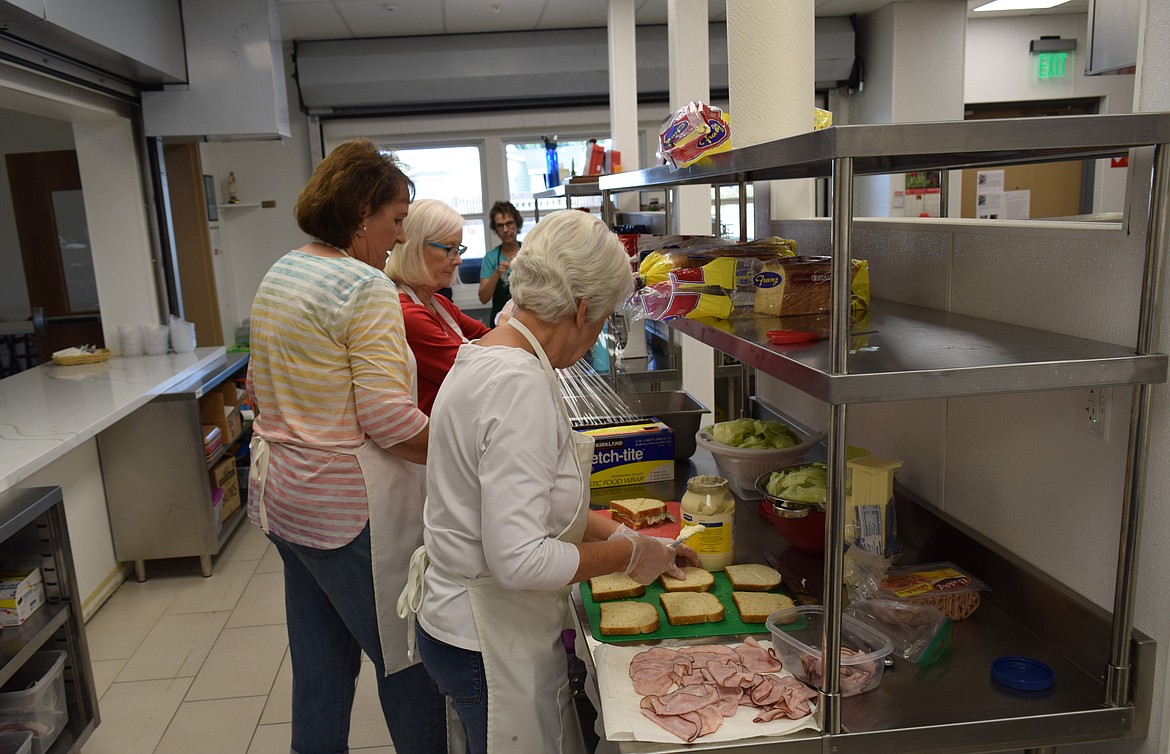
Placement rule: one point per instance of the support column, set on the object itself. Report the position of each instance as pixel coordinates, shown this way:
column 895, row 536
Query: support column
column 623, row 93
column 772, row 94
column 690, row 79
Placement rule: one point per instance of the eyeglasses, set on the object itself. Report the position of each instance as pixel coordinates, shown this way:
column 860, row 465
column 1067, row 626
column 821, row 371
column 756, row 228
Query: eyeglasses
column 506, row 224
column 452, row 252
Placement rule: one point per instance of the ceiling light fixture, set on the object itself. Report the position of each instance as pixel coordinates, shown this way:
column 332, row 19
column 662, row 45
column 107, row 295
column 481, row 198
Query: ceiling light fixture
column 1019, row 5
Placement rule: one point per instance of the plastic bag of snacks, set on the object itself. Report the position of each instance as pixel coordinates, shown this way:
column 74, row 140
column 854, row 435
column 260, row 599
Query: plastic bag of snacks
column 693, row 132
column 821, row 119
column 665, row 301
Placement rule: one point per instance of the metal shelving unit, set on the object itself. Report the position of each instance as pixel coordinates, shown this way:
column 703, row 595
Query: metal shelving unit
column 924, row 353
column 33, row 532
column 567, row 192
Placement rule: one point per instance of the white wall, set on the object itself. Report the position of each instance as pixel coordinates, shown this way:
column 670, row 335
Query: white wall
column 79, row 474
column 914, row 72
column 119, row 231
column 252, row 239
column 1000, row 69
column 20, row 132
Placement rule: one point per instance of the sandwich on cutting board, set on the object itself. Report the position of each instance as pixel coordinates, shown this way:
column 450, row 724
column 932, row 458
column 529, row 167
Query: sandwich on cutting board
column 639, row 512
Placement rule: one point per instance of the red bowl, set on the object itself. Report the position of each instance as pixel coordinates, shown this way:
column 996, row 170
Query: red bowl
column 806, row 534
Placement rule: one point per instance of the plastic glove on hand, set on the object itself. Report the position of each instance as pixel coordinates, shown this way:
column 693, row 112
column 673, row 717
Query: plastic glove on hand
column 685, row 556
column 651, row 557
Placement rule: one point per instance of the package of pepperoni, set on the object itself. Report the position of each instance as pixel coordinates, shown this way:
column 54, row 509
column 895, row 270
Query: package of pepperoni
column 943, row 585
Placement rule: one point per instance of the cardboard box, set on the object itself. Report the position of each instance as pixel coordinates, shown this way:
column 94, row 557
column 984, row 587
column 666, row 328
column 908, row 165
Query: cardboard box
column 224, row 477
column 20, row 596
column 226, row 415
column 631, row 454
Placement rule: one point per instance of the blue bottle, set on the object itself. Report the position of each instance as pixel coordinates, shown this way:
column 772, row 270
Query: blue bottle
column 552, row 167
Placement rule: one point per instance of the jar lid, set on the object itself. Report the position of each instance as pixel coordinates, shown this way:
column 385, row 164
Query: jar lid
column 706, row 482
column 1022, row 673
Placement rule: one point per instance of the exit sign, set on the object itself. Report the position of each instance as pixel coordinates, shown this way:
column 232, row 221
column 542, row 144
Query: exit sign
column 1051, row 65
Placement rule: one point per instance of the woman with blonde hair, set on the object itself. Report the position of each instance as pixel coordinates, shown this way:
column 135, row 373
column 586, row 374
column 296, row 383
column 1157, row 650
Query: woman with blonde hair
column 421, row 266
column 338, row 444
column 507, row 522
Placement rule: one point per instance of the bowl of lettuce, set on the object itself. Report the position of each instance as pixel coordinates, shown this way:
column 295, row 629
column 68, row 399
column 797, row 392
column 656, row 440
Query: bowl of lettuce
column 744, row 449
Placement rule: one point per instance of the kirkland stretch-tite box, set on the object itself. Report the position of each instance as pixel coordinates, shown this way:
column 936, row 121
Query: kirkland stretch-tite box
column 631, row 454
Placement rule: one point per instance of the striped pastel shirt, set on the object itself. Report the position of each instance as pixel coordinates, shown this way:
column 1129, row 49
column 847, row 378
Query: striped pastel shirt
column 329, row 368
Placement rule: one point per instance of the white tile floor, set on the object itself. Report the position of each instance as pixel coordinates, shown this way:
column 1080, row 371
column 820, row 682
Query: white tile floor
column 188, row 665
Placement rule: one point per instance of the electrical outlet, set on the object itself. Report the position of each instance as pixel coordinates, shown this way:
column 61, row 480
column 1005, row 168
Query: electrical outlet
column 1093, row 415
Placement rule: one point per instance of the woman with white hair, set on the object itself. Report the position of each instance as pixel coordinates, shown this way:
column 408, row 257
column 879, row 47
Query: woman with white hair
column 421, row 266
column 507, row 527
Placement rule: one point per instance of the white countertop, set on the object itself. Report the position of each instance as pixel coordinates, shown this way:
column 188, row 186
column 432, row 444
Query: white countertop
column 47, row 411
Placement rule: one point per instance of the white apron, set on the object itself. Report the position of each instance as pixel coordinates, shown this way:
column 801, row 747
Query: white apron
column 396, row 489
column 520, row 630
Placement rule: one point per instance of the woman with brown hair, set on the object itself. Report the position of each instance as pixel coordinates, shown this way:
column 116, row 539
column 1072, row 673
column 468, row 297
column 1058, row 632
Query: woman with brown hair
column 493, row 273
column 336, row 480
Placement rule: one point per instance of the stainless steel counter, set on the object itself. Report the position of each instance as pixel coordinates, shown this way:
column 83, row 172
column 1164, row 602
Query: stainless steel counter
column 954, row 705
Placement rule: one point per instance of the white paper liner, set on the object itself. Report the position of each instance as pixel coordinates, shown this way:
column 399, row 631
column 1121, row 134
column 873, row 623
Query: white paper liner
column 623, row 715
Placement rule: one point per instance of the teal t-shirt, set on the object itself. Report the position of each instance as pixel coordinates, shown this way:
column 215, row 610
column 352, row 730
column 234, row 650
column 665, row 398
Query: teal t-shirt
column 503, row 293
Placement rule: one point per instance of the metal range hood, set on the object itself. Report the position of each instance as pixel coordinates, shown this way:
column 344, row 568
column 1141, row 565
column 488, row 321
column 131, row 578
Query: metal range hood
column 502, row 70
column 236, row 88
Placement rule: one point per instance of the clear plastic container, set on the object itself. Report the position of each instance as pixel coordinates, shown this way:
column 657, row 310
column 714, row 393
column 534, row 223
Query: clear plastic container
column 741, row 466
column 35, row 697
column 800, row 649
column 15, row 742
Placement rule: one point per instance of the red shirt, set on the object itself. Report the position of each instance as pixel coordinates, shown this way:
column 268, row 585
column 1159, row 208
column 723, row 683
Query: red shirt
column 434, row 344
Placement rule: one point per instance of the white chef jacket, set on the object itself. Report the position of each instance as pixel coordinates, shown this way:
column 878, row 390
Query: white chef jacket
column 501, row 484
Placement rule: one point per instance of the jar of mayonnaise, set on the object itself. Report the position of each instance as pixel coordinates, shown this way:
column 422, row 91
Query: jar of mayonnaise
column 708, row 502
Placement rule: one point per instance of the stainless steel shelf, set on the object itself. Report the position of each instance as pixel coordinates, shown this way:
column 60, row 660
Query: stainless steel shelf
column 32, row 523
column 896, row 148
column 952, row 706
column 906, row 352
column 19, row 643
column 584, row 188
column 915, row 352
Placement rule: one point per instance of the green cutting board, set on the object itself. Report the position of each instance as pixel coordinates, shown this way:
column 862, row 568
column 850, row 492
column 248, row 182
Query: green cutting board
column 730, row 625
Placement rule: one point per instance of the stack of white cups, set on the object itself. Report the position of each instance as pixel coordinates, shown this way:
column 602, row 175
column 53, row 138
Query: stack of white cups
column 155, row 337
column 130, row 339
column 182, row 335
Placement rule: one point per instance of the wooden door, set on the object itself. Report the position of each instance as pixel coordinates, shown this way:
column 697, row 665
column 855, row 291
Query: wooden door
column 196, row 272
column 54, row 244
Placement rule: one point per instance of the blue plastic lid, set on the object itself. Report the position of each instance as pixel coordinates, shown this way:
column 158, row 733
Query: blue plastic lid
column 1022, row 673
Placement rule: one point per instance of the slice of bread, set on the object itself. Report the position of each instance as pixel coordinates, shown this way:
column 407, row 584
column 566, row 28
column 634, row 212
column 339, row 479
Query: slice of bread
column 628, row 618
column 688, row 608
column 752, row 577
column 697, row 580
column 614, row 586
column 638, row 512
column 755, row 607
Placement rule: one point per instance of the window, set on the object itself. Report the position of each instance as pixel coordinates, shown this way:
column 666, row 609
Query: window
column 726, row 210
column 526, row 174
column 454, row 176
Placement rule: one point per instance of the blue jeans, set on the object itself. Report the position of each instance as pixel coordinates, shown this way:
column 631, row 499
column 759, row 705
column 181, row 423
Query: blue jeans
column 329, row 604
column 459, row 673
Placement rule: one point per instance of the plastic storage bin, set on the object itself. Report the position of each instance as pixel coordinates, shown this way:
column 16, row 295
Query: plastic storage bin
column 15, row 742
column 800, row 649
column 741, row 466
column 35, row 697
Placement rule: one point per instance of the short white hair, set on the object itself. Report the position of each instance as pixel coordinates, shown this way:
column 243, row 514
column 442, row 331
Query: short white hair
column 426, row 220
column 570, row 255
